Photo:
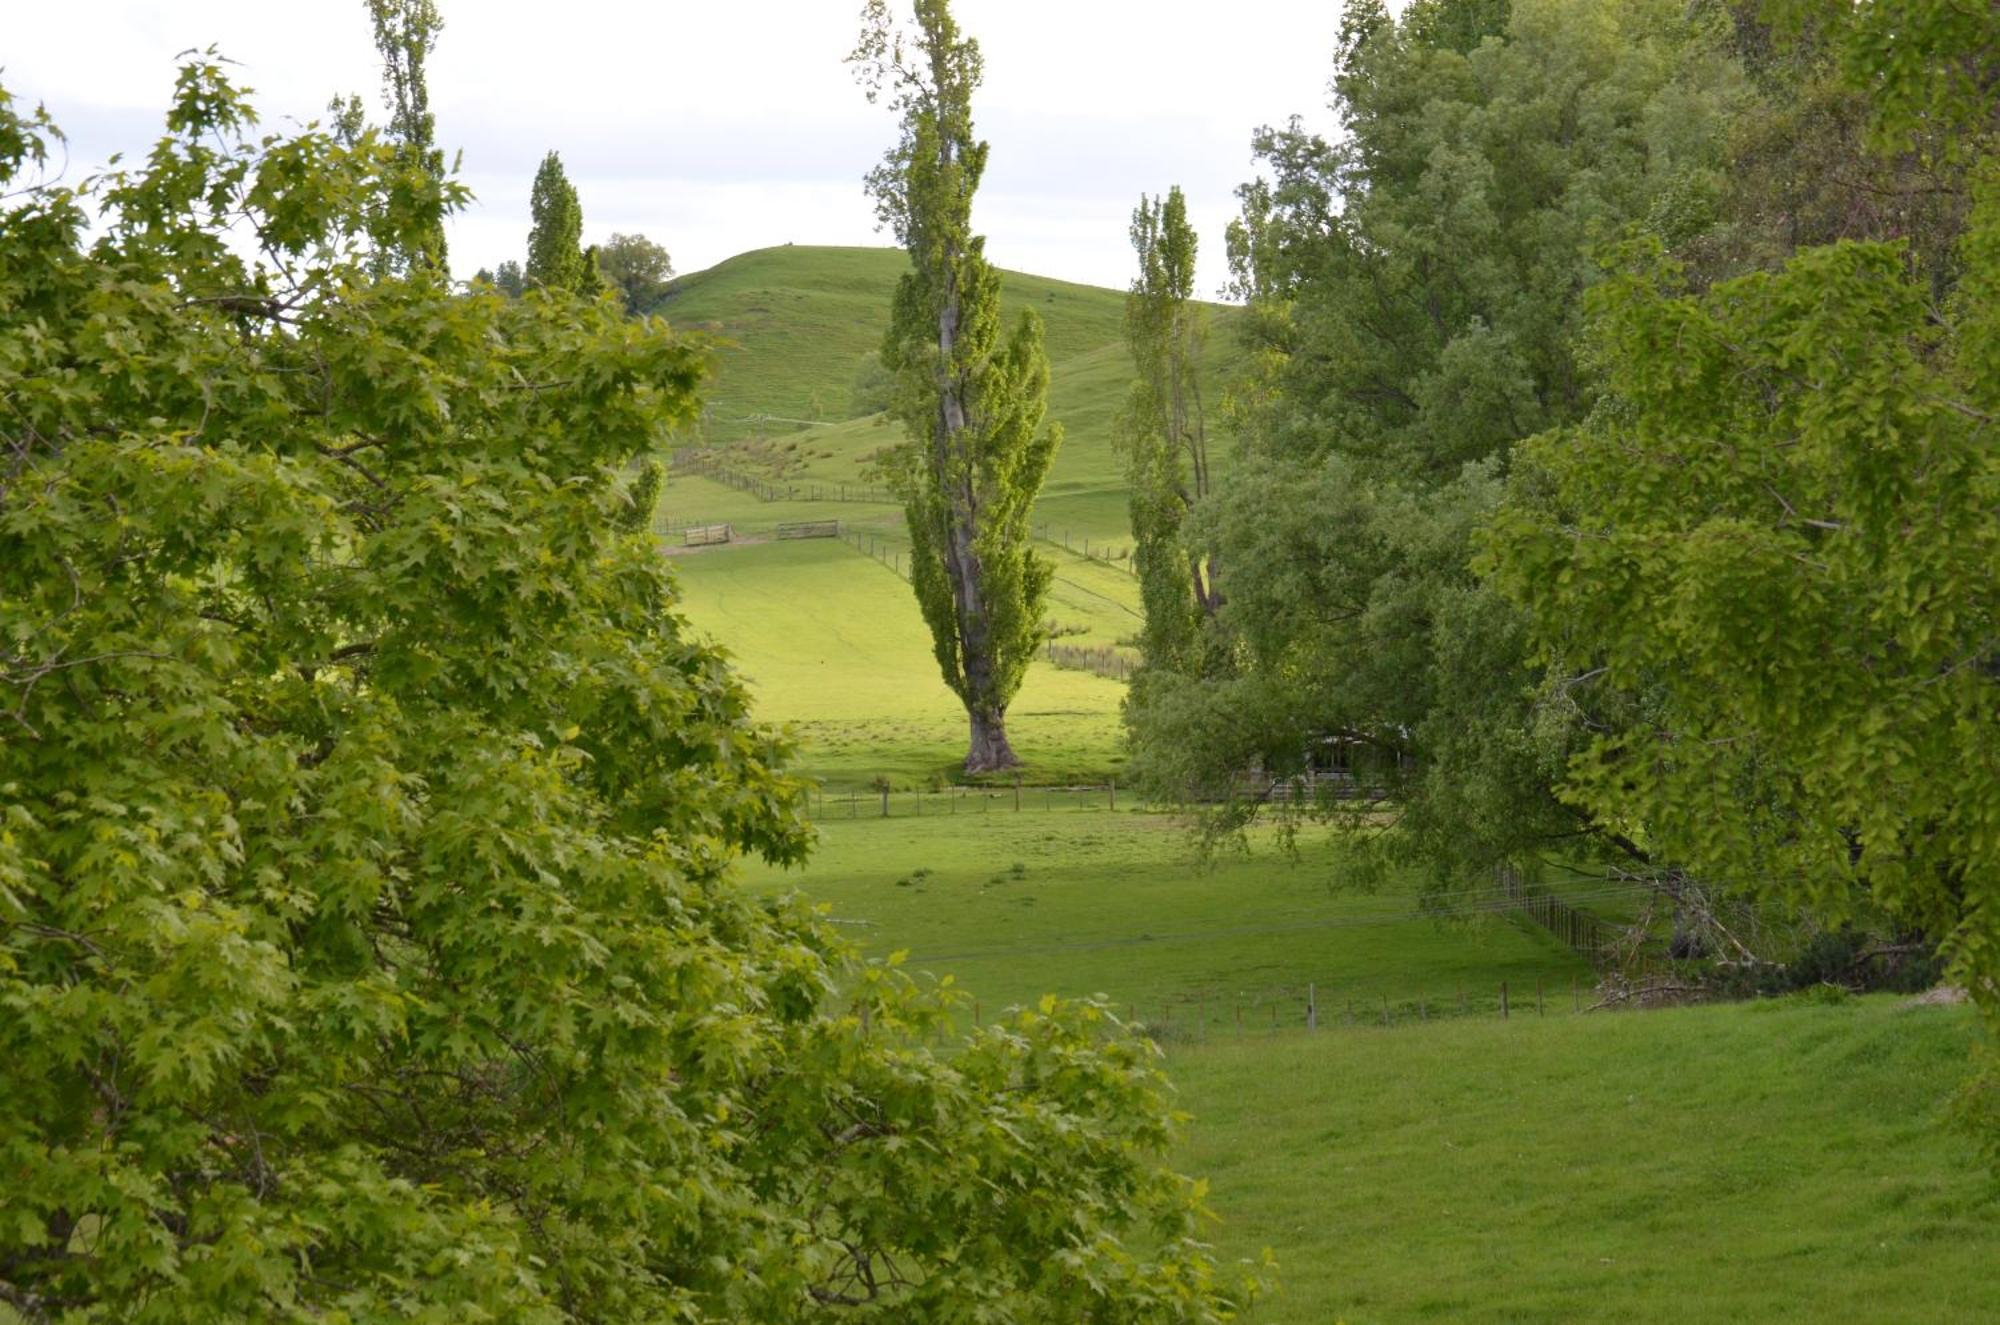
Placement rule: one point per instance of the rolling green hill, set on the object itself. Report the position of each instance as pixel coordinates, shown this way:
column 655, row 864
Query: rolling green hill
column 803, row 321
column 804, row 318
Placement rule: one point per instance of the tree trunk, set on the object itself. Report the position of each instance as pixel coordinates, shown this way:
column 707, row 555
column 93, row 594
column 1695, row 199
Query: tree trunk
column 990, row 750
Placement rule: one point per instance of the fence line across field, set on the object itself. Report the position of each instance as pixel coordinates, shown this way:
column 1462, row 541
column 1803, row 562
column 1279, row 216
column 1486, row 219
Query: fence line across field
column 1114, row 554
column 1315, row 1004
column 702, row 466
column 1315, row 1007
column 889, row 803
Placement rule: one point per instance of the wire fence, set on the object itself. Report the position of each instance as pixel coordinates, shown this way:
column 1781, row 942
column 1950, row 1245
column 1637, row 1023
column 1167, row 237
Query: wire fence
column 1117, row 555
column 1101, row 660
column 891, row 554
column 1337, row 1004
column 1579, row 930
column 705, row 465
column 1314, row 1007
column 884, row 802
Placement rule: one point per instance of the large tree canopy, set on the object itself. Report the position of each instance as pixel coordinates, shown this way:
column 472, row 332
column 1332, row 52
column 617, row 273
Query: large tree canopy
column 1415, row 301
column 366, row 947
column 1780, row 527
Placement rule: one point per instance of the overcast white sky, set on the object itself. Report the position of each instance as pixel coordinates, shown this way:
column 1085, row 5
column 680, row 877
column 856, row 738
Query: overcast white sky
column 720, row 127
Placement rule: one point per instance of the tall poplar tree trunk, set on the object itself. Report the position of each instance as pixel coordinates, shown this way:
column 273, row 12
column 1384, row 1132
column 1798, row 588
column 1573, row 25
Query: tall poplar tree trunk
column 1163, row 433
column 974, row 401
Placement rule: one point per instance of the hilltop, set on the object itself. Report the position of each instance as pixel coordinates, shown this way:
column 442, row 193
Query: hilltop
column 791, row 398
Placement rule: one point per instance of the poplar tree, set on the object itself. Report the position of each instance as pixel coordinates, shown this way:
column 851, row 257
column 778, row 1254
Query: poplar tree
column 1163, row 429
column 556, row 260
column 405, row 33
column 973, row 404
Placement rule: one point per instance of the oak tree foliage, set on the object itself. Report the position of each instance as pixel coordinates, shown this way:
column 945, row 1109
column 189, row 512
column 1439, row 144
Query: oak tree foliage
column 637, row 268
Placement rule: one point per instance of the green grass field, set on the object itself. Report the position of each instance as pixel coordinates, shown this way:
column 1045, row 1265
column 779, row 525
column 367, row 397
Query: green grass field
column 1081, row 900
column 803, row 319
column 1764, row 1162
column 832, row 644
column 1780, row 1161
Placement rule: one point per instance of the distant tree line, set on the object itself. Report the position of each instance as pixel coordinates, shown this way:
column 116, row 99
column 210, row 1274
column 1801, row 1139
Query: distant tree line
column 633, row 266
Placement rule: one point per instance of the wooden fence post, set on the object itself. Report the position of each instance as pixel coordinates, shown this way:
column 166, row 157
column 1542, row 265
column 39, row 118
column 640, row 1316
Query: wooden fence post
column 1503, row 1000
column 1312, row 1009
column 885, row 801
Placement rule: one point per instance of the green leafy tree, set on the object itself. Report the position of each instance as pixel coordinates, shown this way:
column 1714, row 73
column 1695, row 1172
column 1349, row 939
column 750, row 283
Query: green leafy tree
column 1779, row 526
column 637, row 268
column 1415, row 309
column 405, row 34
column 972, row 403
column 556, row 260
column 1163, row 431
column 367, row 946
column 510, row 280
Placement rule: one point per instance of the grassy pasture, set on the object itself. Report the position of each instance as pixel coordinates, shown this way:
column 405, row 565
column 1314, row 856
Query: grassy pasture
column 1083, row 900
column 803, row 319
column 1765, row 1162
column 833, row 645
column 1781, row 1161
